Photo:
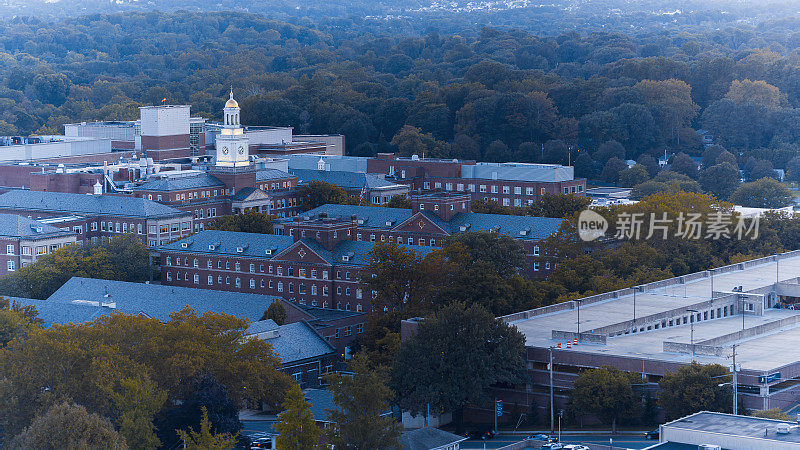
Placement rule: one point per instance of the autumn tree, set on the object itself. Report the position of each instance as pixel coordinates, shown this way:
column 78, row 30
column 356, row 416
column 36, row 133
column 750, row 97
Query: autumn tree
column 399, row 276
column 758, row 92
column 399, row 201
column 362, row 403
column 606, row 393
column 121, row 365
column 246, row 222
column 67, row 425
column 296, row 427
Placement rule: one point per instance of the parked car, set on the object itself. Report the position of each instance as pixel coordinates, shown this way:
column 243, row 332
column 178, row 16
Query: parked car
column 542, row 437
column 651, row 434
column 575, row 447
column 553, row 446
column 482, row 432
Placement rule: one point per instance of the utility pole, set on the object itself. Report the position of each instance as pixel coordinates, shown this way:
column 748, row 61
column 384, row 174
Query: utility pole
column 712, row 282
column 735, row 385
column 635, row 288
column 560, row 415
column 552, row 425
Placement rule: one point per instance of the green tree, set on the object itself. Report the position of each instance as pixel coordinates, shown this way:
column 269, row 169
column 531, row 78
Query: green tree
column 296, row 426
column 362, row 401
column 763, row 193
column 246, row 222
column 558, row 205
column 612, row 170
column 683, row 164
column 318, row 193
column 125, row 258
column 205, row 439
column 399, row 201
column 276, row 312
column 413, row 141
column 633, row 175
column 720, row 179
column 400, row 276
column 455, row 356
column 607, row 393
column 694, row 388
column 67, row 425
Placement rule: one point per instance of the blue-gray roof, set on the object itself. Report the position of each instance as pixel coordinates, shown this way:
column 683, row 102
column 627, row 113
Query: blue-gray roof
column 14, row 226
column 255, row 245
column 271, row 174
column 60, row 202
column 534, row 228
column 344, row 180
column 428, row 438
column 181, row 183
column 229, row 242
column 332, row 162
column 292, row 342
column 82, row 298
column 321, row 400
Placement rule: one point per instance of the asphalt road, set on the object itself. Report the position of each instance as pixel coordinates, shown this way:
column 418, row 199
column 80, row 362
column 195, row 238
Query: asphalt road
column 620, row 440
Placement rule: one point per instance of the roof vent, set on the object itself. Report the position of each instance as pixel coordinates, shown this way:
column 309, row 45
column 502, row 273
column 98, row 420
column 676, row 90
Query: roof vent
column 271, row 334
column 464, row 227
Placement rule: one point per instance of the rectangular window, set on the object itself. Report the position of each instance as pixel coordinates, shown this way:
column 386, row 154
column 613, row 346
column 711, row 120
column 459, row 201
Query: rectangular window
column 9, row 249
column 517, row 190
column 483, row 188
column 529, row 191
column 210, row 280
column 26, row 251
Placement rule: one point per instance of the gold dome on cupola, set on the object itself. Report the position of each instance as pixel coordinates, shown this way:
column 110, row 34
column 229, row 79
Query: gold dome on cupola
column 231, row 103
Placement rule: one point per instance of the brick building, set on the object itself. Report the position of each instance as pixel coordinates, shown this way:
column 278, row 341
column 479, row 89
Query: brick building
column 24, row 240
column 369, row 188
column 93, row 217
column 432, row 218
column 317, row 266
column 509, row 184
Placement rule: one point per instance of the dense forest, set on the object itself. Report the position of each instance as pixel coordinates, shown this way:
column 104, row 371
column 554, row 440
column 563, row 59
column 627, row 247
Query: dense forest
column 490, row 93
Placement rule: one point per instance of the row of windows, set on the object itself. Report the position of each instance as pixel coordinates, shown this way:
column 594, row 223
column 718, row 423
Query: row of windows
column 275, row 185
column 28, row 251
column 210, row 212
column 270, row 284
column 494, row 189
column 270, row 268
column 347, row 331
column 169, row 227
column 688, row 319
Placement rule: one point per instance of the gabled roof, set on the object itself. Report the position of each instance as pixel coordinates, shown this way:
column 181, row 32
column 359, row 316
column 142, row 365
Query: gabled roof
column 344, row 180
column 255, row 245
column 292, row 342
column 230, row 242
column 14, row 226
column 113, row 205
column 249, row 193
column 168, row 184
column 428, row 438
column 152, row 300
column 271, row 174
column 534, row 228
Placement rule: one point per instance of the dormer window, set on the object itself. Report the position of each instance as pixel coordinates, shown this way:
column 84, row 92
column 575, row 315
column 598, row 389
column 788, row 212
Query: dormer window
column 435, row 207
column 421, row 206
column 239, row 249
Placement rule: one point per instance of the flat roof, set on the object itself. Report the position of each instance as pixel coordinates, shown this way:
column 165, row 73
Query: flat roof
column 736, row 425
column 757, row 352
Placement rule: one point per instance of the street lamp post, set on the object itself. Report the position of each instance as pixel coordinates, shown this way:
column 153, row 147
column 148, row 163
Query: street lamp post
column 712, row 282
column 579, row 301
column 560, row 415
column 552, row 419
column 741, row 308
column 691, row 326
column 735, row 385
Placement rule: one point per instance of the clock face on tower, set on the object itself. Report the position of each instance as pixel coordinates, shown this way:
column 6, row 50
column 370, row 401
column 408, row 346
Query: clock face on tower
column 241, row 150
column 224, row 150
